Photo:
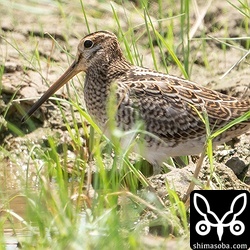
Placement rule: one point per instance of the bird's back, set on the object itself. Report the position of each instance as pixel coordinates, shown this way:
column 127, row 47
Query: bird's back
column 171, row 109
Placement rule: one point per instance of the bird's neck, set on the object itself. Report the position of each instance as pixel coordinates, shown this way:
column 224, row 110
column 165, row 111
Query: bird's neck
column 97, row 87
column 103, row 73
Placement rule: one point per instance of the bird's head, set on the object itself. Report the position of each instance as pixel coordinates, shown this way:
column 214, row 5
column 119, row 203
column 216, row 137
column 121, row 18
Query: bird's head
column 98, row 49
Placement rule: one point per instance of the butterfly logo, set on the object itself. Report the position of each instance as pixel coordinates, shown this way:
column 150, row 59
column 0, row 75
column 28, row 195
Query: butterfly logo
column 203, row 227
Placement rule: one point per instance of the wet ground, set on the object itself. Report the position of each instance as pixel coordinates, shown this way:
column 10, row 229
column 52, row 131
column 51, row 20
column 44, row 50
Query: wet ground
column 36, row 45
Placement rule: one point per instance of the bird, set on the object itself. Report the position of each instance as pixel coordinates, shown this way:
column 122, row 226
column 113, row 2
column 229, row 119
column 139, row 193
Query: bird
column 167, row 108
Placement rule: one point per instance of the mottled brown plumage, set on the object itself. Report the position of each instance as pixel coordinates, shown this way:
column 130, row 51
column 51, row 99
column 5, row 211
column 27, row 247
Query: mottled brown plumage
column 166, row 105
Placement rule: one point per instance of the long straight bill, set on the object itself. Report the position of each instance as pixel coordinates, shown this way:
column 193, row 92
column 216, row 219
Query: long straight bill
column 69, row 73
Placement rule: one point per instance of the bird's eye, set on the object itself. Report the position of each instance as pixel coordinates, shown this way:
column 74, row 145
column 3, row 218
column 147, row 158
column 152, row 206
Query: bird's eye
column 88, row 44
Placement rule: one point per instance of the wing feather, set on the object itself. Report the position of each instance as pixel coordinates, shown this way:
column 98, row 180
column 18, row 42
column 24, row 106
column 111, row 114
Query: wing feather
column 166, row 105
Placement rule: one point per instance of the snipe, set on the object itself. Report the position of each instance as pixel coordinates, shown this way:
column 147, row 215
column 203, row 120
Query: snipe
column 167, row 105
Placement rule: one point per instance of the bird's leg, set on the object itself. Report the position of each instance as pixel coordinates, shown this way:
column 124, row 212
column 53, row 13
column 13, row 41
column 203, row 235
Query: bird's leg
column 195, row 176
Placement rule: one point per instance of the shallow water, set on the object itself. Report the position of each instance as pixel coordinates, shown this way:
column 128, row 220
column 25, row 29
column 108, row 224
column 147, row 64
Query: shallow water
column 13, row 204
